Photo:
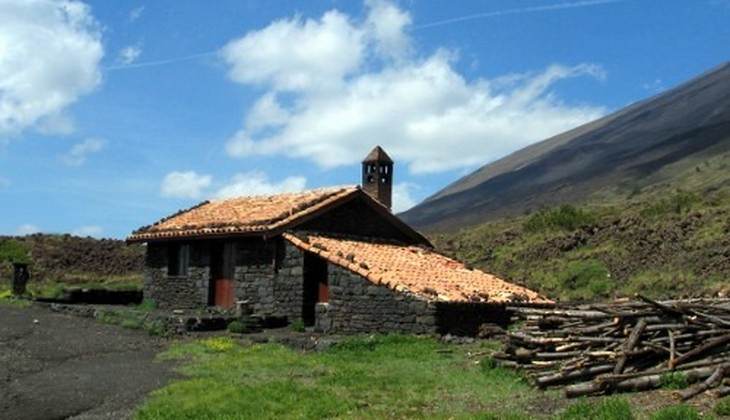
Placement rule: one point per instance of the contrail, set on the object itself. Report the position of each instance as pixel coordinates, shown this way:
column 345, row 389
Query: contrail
column 161, row 62
column 535, row 9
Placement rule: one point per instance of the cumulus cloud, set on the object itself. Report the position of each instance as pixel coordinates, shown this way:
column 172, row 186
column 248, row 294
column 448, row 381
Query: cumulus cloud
column 91, row 230
column 49, row 56
column 350, row 85
column 80, row 152
column 258, row 183
column 129, row 54
column 188, row 184
column 296, row 54
column 27, row 229
column 403, row 198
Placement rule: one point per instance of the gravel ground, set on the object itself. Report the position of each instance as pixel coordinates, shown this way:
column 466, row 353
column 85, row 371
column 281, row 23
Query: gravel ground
column 55, row 366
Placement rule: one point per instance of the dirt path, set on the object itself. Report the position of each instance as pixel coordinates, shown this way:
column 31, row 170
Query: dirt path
column 55, row 366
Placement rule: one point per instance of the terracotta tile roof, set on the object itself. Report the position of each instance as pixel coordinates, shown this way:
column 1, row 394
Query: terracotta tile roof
column 418, row 270
column 242, row 214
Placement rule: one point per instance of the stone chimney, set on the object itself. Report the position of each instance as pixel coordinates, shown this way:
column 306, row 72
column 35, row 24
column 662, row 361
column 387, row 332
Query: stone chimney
column 377, row 176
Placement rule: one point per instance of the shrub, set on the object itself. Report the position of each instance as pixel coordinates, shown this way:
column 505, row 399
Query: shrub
column 677, row 412
column 147, row 305
column 673, row 380
column 565, row 217
column 606, row 409
column 722, row 408
column 488, row 363
column 297, row 326
column 585, row 280
column 679, row 203
column 14, row 251
column 154, row 328
column 237, row 327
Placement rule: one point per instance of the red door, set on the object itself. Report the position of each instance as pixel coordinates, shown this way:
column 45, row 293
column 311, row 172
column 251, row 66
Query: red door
column 224, row 293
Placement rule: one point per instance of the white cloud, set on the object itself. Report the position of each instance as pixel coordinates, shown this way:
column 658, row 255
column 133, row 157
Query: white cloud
column 129, row 54
column 135, row 13
column 387, row 23
column 185, row 184
column 295, row 54
column 421, row 109
column 80, row 152
column 403, row 196
column 257, row 183
column 49, row 56
column 27, row 229
column 91, row 230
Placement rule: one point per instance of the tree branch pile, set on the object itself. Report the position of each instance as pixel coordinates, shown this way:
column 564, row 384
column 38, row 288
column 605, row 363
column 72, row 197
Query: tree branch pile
column 624, row 346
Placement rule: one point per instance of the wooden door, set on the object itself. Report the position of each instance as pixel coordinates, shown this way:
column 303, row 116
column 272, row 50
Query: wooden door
column 225, row 296
column 222, row 288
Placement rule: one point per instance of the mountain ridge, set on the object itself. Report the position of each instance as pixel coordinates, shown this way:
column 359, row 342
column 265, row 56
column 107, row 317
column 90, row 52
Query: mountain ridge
column 681, row 125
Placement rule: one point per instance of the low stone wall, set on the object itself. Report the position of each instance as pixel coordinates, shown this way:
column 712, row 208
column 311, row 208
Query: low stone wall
column 356, row 305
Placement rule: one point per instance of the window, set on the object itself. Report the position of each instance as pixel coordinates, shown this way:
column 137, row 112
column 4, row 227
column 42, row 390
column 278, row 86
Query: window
column 178, row 259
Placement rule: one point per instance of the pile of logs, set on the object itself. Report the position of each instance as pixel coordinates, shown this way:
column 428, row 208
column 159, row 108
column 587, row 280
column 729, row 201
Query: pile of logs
column 624, row 346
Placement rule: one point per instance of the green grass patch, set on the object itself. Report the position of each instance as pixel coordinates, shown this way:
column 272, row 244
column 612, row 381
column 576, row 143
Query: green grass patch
column 677, row 412
column 565, row 217
column 389, row 376
column 297, row 326
column 678, row 203
column 605, row 409
column 722, row 407
column 674, row 380
column 585, row 280
column 14, row 251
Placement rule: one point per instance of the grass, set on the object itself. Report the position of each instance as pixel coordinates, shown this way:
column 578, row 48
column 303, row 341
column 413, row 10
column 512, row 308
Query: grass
column 664, row 243
column 7, row 298
column 565, row 217
column 606, row 409
column 722, row 408
column 673, row 380
column 366, row 377
column 370, row 377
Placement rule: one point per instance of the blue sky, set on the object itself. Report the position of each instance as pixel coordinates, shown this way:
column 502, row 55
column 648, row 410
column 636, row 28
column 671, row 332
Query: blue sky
column 114, row 114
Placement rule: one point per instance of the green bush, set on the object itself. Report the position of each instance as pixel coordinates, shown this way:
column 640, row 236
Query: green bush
column 677, row 412
column 606, row 409
column 297, row 326
column 585, row 280
column 14, row 251
column 679, row 203
column 673, row 380
column 565, row 217
column 488, row 363
column 237, row 327
column 147, row 305
column 722, row 408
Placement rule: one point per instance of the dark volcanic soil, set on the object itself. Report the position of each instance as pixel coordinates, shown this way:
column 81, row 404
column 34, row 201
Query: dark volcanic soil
column 62, row 366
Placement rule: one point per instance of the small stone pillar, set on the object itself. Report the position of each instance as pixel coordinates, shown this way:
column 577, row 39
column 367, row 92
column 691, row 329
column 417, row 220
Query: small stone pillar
column 21, row 276
column 322, row 320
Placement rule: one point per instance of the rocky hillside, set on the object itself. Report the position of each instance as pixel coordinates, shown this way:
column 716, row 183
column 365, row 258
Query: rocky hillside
column 671, row 245
column 71, row 259
column 637, row 150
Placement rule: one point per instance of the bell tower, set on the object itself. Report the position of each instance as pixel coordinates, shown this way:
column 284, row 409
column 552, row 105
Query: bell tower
column 377, row 176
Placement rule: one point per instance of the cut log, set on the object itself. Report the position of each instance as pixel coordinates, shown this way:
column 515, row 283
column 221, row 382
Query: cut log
column 712, row 381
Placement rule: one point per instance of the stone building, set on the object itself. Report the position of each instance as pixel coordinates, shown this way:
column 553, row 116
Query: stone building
column 336, row 258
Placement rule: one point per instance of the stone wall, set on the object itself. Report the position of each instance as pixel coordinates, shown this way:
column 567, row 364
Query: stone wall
column 357, row 305
column 178, row 292
column 268, row 275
